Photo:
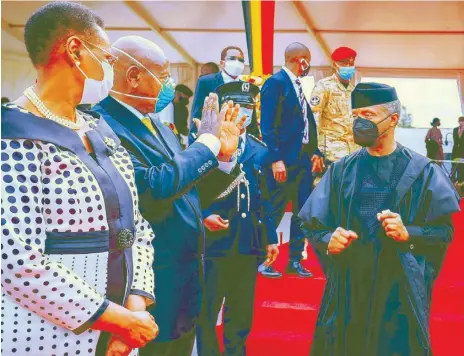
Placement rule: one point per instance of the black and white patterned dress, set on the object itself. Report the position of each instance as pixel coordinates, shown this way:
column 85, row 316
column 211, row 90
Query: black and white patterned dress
column 72, row 235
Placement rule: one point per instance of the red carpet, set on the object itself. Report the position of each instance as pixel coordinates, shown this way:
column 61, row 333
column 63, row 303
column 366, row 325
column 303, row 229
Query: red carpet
column 286, row 309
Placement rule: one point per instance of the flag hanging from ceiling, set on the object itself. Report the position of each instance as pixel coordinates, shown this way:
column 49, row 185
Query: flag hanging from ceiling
column 259, row 26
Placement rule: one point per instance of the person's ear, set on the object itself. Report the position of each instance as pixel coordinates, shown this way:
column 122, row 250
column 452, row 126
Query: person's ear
column 133, row 77
column 72, row 48
column 395, row 118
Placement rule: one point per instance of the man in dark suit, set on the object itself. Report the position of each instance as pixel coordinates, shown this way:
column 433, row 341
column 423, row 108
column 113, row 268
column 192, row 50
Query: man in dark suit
column 458, row 149
column 232, row 65
column 240, row 228
column 166, row 179
column 289, row 130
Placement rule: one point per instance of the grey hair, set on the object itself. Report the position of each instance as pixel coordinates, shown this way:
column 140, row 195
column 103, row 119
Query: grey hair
column 392, row 107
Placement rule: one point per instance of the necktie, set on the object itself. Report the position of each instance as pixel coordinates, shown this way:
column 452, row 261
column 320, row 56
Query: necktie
column 147, row 122
column 303, row 105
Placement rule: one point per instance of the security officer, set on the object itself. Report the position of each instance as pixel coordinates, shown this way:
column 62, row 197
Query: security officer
column 240, row 227
column 331, row 104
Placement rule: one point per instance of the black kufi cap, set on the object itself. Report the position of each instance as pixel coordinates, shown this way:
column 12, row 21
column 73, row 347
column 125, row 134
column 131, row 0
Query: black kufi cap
column 371, row 94
column 239, row 92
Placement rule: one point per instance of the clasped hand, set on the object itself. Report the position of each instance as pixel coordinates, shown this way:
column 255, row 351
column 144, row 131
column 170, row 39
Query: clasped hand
column 391, row 223
column 221, row 124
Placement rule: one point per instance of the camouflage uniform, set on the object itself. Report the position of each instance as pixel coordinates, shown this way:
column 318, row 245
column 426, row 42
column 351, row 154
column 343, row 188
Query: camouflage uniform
column 331, row 104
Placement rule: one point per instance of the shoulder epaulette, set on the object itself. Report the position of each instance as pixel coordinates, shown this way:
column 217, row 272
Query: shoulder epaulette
column 257, row 140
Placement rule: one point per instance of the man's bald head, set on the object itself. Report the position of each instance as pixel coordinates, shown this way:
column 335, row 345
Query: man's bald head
column 139, row 71
column 296, row 50
column 143, row 50
column 297, row 58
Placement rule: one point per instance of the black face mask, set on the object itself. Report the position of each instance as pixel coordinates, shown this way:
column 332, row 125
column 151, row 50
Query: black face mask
column 366, row 132
column 184, row 101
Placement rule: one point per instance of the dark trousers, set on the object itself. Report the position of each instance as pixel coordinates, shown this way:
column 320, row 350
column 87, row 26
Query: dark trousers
column 296, row 189
column 178, row 291
column 234, row 278
column 182, row 346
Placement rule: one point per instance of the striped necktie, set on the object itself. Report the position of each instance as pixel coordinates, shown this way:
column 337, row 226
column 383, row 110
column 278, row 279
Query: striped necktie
column 147, row 122
column 303, row 105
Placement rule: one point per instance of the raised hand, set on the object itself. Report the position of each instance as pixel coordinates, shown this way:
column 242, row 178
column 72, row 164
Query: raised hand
column 393, row 225
column 340, row 240
column 230, row 130
column 211, row 121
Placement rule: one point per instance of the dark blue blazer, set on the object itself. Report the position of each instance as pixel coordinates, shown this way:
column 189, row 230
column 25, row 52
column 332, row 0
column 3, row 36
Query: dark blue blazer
column 166, row 179
column 249, row 231
column 205, row 85
column 282, row 122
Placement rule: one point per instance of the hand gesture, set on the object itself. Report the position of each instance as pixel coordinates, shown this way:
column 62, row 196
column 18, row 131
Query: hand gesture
column 393, row 225
column 141, row 330
column 230, row 129
column 210, row 120
column 340, row 240
column 272, row 251
column 280, row 171
column 215, row 223
column 317, row 164
column 117, row 347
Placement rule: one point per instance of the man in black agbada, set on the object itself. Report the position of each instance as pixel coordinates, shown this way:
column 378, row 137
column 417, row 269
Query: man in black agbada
column 380, row 221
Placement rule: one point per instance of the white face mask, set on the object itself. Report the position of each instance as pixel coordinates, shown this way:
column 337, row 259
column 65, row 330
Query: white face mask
column 249, row 115
column 234, row 68
column 96, row 90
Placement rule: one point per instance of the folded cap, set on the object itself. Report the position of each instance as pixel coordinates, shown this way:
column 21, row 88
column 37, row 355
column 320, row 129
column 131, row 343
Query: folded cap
column 371, row 94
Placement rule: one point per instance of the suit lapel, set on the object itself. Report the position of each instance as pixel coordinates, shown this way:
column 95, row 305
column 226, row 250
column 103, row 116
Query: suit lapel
column 126, row 118
column 291, row 93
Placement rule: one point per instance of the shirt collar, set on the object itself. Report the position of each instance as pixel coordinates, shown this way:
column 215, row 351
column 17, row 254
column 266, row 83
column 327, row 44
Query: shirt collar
column 349, row 88
column 292, row 76
column 133, row 110
column 227, row 78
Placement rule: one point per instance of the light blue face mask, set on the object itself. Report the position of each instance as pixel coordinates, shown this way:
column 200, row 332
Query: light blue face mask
column 249, row 115
column 346, row 73
column 166, row 95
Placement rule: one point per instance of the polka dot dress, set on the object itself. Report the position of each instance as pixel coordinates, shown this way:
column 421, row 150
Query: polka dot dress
column 46, row 189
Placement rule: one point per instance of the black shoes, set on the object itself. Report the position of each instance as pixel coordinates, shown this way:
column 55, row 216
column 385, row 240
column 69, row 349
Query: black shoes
column 295, row 267
column 269, row 272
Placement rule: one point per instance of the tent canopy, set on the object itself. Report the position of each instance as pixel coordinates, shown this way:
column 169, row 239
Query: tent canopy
column 390, row 35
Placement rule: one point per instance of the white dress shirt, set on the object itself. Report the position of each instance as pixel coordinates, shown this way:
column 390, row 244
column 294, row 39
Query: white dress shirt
column 228, row 79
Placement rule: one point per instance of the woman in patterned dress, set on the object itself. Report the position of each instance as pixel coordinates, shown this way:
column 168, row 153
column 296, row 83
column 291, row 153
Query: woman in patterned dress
column 75, row 248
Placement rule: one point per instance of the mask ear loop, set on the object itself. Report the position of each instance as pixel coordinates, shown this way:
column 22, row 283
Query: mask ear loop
column 149, row 72
column 78, row 63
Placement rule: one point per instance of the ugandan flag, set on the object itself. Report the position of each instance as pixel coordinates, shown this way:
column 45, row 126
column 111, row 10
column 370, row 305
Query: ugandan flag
column 259, row 27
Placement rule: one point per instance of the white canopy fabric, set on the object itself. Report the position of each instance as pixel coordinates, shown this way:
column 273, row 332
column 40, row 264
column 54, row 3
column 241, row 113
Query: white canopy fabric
column 392, row 38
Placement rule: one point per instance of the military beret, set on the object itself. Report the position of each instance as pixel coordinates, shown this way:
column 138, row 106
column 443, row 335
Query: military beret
column 184, row 90
column 342, row 53
column 238, row 92
column 371, row 94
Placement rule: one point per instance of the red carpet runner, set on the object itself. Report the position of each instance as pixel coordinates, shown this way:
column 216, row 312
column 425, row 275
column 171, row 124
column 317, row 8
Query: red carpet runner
column 286, row 309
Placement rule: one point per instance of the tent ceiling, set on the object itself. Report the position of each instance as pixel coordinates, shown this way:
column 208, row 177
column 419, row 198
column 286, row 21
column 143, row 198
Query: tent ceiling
column 395, row 34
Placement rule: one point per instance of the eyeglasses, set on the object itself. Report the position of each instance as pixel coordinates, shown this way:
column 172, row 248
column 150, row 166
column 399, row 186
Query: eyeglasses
column 110, row 58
